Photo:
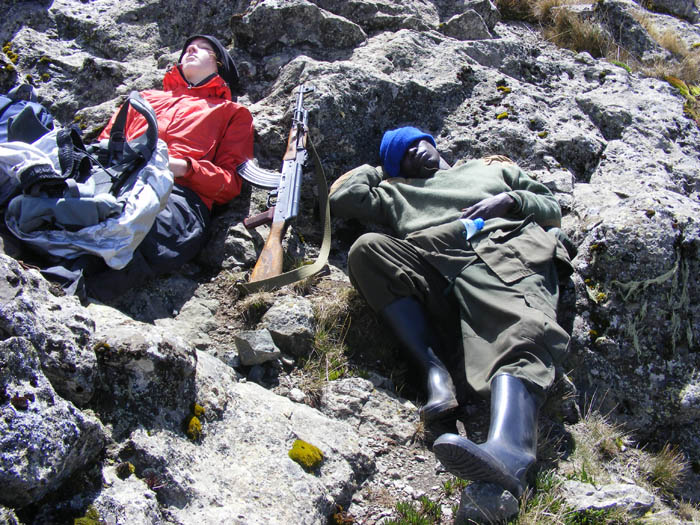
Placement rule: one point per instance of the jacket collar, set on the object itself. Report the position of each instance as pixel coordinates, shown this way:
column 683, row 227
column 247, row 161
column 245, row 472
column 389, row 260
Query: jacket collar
column 215, row 87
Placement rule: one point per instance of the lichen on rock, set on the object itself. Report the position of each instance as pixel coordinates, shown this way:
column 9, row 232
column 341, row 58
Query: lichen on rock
column 307, row 455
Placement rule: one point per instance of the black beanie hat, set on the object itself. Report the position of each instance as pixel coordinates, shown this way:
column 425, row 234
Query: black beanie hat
column 226, row 66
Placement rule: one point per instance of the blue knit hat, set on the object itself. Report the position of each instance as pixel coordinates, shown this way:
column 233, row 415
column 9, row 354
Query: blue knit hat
column 394, row 145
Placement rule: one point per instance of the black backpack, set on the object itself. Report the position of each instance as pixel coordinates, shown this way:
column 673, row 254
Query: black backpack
column 22, row 118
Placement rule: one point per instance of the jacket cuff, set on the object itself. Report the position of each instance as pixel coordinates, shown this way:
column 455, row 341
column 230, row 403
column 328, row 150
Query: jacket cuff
column 517, row 203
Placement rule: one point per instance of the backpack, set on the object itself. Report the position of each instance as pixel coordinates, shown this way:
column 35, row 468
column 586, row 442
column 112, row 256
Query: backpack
column 22, row 117
column 100, row 199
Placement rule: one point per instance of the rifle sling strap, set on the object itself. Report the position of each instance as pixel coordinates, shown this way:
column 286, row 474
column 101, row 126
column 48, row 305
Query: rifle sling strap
column 307, row 270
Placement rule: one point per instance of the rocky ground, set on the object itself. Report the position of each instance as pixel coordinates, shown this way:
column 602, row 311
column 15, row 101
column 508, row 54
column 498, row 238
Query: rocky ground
column 91, row 390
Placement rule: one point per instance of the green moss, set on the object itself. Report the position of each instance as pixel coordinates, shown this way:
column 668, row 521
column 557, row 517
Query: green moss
column 691, row 107
column 45, row 77
column 44, row 60
column 543, row 134
column 92, row 517
column 306, row 454
column 622, row 65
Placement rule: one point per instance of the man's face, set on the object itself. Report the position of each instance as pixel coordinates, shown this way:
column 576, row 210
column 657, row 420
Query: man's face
column 199, row 61
column 421, row 160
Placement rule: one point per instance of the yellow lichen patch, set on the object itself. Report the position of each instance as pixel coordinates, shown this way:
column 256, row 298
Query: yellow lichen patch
column 125, row 469
column 194, row 428
column 198, row 410
column 543, row 134
column 9, row 53
column 306, row 454
column 101, row 346
column 504, row 89
column 92, row 517
column 503, row 115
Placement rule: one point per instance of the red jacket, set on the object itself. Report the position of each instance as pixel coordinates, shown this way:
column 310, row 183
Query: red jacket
column 203, row 126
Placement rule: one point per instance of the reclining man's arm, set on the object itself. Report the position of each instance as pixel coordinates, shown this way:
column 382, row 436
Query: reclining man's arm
column 355, row 195
column 531, row 198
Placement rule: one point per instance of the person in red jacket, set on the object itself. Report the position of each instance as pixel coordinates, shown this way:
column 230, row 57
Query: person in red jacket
column 208, row 135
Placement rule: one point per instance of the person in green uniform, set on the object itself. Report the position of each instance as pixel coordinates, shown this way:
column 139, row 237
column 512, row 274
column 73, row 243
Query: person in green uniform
column 501, row 283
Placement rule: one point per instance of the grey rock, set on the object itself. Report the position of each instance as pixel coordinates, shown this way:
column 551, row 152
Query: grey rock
column 214, row 383
column 291, row 324
column 193, row 323
column 296, row 395
column 59, row 328
column 8, row 516
column 615, row 147
column 378, row 15
column 617, row 16
column 252, row 463
column 43, row 438
column 486, row 9
column 162, row 299
column 269, row 27
column 127, row 500
column 146, row 375
column 373, row 412
column 256, row 347
column 482, row 502
column 681, row 8
column 623, row 496
column 466, row 26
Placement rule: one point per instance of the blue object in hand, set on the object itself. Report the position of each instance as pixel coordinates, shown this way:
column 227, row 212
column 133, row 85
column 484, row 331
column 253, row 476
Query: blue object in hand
column 471, row 226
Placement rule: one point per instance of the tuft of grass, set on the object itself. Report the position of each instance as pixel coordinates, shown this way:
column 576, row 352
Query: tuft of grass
column 516, row 10
column 254, row 306
column 542, row 503
column 568, row 29
column 665, row 469
column 689, row 512
column 428, row 512
column 328, row 360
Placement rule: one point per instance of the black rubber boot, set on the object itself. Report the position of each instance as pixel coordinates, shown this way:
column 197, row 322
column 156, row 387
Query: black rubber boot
column 511, row 446
column 410, row 324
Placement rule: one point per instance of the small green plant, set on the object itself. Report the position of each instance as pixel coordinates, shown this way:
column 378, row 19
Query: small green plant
column 596, row 517
column 454, row 485
column 428, row 513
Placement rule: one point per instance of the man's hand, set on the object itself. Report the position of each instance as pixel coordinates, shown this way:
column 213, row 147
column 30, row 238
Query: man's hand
column 496, row 206
column 179, row 167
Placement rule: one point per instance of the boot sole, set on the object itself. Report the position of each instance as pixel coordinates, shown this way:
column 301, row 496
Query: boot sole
column 440, row 411
column 466, row 460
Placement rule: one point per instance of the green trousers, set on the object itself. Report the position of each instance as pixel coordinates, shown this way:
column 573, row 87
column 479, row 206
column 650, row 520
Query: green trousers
column 505, row 286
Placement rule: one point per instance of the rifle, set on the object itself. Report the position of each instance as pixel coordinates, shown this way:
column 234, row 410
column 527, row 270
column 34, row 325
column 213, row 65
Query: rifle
column 284, row 201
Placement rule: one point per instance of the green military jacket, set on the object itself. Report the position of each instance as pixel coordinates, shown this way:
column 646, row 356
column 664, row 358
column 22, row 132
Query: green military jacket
column 409, row 205
column 515, row 251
